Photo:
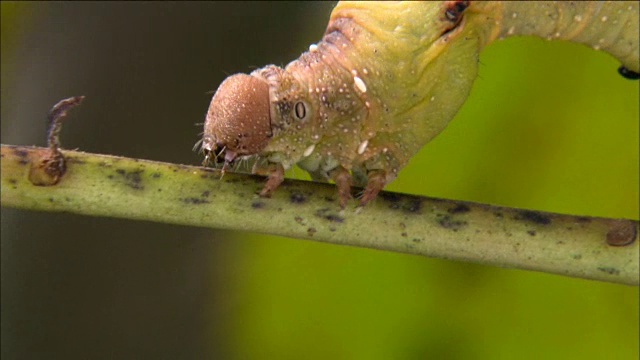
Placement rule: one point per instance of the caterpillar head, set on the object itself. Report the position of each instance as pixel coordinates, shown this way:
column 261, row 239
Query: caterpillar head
column 238, row 121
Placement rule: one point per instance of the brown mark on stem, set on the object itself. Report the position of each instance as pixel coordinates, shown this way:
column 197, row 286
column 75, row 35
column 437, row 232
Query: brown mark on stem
column 49, row 165
column 621, row 232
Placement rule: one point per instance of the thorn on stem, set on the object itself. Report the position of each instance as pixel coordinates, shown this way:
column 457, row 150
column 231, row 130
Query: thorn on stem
column 49, row 165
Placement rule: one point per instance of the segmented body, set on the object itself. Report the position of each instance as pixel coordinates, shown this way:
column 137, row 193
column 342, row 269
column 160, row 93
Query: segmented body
column 388, row 76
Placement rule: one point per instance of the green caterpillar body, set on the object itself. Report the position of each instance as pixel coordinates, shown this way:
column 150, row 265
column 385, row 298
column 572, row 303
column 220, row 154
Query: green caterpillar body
column 385, row 79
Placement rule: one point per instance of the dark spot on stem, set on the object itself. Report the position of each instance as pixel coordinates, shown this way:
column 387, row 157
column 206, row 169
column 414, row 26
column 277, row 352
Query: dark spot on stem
column 531, row 232
column 609, row 270
column 132, row 178
column 334, row 218
column 311, row 231
column 257, row 204
column 205, row 193
column 413, row 206
column 389, row 196
column 297, row 198
column 459, row 209
column 447, row 222
column 194, row 200
column 323, row 213
column 533, row 216
column 156, row 175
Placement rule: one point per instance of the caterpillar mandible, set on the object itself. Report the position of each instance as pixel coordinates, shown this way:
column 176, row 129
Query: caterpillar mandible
column 384, row 80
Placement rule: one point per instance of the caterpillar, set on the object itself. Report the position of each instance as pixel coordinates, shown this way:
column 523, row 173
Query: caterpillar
column 384, row 80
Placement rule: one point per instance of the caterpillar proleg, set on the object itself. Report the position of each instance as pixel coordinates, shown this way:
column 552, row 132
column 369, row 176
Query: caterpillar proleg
column 384, row 80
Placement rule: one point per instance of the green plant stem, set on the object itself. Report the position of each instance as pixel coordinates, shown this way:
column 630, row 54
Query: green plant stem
column 102, row 185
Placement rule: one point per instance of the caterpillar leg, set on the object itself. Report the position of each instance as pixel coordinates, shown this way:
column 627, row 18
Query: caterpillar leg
column 377, row 179
column 342, row 179
column 275, row 176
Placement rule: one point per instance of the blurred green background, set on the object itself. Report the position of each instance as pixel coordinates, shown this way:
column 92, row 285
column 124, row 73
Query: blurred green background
column 548, row 126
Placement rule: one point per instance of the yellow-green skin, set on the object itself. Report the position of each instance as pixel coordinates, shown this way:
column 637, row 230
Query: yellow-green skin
column 388, row 76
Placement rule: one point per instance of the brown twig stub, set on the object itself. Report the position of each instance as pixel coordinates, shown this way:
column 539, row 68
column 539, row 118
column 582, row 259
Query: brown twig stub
column 57, row 113
column 48, row 167
column 621, row 232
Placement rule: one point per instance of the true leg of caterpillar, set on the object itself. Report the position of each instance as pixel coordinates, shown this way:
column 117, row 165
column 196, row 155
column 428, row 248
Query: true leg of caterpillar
column 342, row 179
column 274, row 173
column 377, row 179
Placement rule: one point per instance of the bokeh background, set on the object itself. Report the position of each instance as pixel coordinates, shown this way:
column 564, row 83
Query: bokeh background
column 549, row 126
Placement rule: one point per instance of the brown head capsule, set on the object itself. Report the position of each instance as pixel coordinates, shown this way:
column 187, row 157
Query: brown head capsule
column 238, row 121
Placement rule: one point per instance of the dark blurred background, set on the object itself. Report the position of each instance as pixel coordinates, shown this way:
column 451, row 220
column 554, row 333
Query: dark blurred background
column 549, row 126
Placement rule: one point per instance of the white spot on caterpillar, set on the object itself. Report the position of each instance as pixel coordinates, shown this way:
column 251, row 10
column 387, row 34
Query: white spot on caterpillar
column 309, row 150
column 511, row 30
column 360, row 84
column 604, row 18
column 362, row 147
column 577, row 18
column 365, row 71
column 514, row 15
column 354, row 72
column 432, row 98
column 313, row 47
column 367, row 104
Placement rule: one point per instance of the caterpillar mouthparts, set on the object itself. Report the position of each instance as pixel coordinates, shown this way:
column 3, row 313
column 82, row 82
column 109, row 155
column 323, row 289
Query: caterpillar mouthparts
column 238, row 121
